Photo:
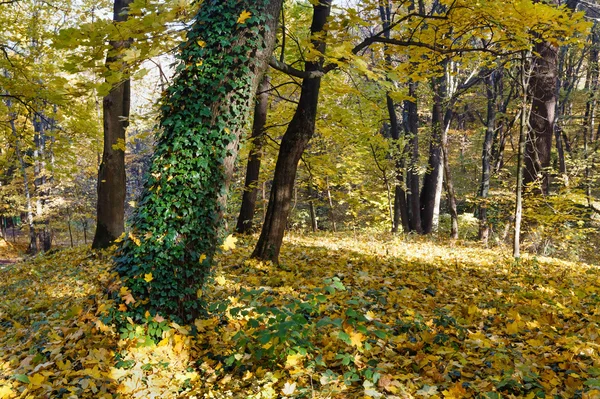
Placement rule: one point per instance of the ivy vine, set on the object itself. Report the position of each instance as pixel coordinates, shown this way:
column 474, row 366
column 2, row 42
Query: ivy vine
column 167, row 256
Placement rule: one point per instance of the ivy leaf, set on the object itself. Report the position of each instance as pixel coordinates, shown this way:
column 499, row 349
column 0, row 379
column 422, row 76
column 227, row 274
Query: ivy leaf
column 148, row 277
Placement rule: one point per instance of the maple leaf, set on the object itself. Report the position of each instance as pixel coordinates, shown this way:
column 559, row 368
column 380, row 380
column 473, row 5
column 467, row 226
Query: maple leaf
column 36, row 379
column 289, row 388
column 356, row 339
column 229, row 243
column 148, row 277
column 244, row 16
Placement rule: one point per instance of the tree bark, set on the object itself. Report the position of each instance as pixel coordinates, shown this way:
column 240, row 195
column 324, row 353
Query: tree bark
column 411, row 118
column 434, row 165
column 541, row 121
column 296, row 138
column 491, row 83
column 245, row 219
column 110, row 211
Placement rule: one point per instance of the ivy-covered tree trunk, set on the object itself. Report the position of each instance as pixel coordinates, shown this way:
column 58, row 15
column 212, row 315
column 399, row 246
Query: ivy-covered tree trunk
column 168, row 254
column 294, row 141
column 110, row 210
column 245, row 219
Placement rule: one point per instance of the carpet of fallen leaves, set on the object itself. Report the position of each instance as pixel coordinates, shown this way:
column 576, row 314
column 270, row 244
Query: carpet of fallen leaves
column 341, row 317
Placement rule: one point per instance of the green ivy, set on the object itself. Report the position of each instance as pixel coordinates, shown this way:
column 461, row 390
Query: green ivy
column 176, row 229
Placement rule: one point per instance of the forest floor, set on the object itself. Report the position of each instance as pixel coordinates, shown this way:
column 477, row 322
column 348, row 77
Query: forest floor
column 344, row 316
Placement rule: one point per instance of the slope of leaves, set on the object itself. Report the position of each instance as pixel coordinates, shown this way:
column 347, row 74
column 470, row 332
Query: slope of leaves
column 342, row 317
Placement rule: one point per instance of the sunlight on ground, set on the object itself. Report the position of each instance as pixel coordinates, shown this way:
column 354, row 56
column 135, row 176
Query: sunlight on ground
column 342, row 317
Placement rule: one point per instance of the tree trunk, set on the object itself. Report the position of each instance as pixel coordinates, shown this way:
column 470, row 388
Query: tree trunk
column 331, row 208
column 110, row 210
column 486, row 156
column 447, row 181
column 526, row 79
column 541, row 121
column 411, row 118
column 294, row 141
column 311, row 204
column 434, row 166
column 400, row 214
column 178, row 223
column 590, row 110
column 245, row 219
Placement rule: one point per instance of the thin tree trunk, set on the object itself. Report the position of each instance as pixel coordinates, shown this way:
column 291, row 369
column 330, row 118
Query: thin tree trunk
column 33, row 247
column 110, row 222
column 448, row 184
column 331, row 208
column 311, row 204
column 484, row 189
column 412, row 179
column 294, row 141
column 400, row 214
column 429, row 192
column 590, row 110
column 525, row 81
column 245, row 219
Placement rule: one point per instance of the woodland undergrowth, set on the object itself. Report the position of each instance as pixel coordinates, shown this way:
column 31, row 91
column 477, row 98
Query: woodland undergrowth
column 343, row 316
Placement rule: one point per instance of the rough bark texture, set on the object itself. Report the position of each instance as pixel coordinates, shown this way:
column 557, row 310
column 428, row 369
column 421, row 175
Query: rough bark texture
column 111, row 175
column 541, row 121
column 245, row 219
column 296, row 138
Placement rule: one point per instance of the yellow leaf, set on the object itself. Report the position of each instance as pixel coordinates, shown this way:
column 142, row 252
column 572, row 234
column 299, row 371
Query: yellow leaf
column 135, row 239
column 220, row 280
column 292, row 360
column 229, row 243
column 122, row 307
column 36, row 379
column 6, row 392
column 201, row 43
column 512, row 328
column 148, row 277
column 202, row 258
column 356, row 339
column 244, row 16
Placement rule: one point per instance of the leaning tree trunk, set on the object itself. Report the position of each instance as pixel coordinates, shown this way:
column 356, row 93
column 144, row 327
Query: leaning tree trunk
column 294, row 141
column 110, row 210
column 176, row 228
column 244, row 223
